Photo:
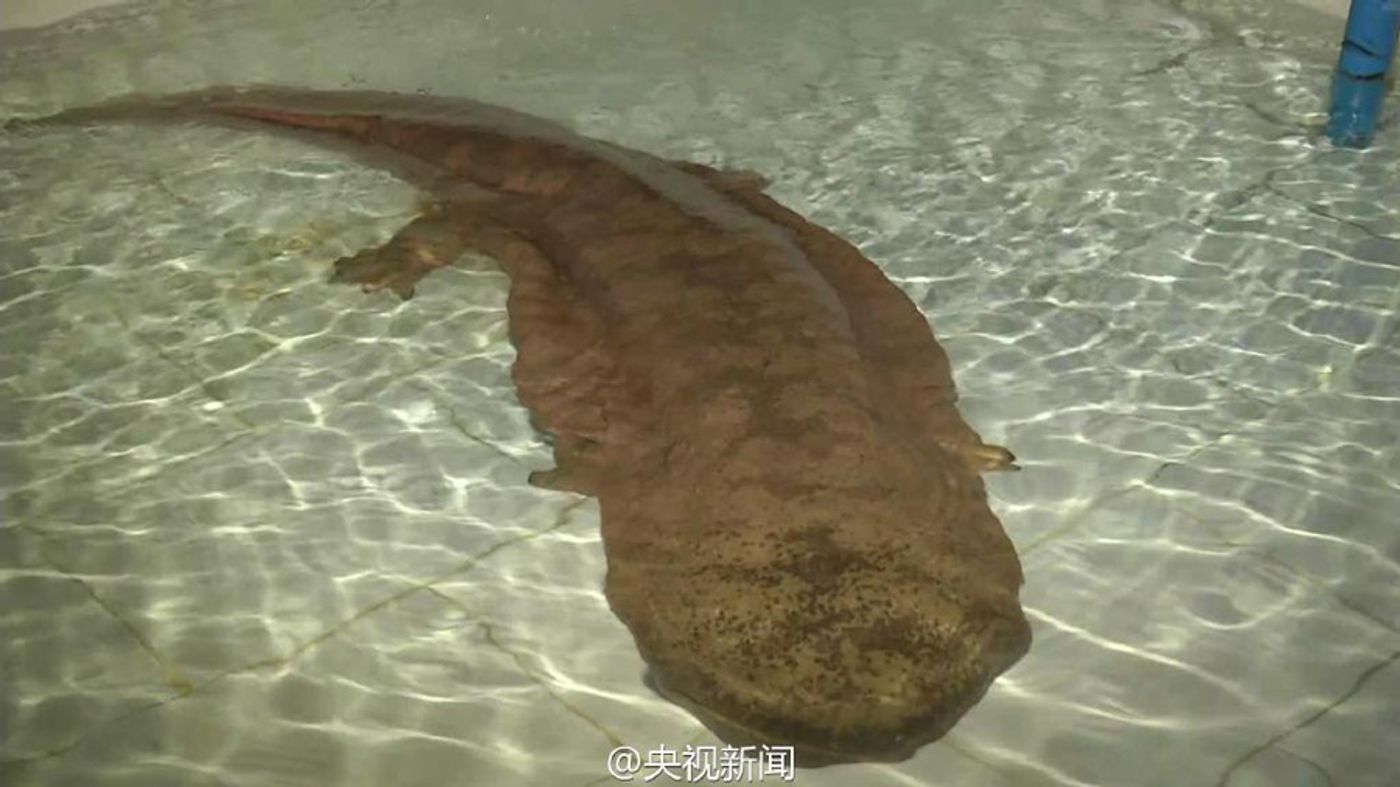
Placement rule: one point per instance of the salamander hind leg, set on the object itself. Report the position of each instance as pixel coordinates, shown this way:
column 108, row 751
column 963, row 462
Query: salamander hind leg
column 425, row 244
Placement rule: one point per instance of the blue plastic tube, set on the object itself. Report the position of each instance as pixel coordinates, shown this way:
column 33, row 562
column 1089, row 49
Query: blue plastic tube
column 1359, row 84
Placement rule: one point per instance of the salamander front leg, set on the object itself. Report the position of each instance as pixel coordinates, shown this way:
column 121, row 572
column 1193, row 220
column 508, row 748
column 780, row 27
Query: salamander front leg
column 576, row 468
column 986, row 457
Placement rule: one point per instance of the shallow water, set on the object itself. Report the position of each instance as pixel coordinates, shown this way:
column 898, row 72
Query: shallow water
column 260, row 530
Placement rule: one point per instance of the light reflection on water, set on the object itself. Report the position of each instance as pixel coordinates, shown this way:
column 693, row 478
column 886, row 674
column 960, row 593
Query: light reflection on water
column 260, row 530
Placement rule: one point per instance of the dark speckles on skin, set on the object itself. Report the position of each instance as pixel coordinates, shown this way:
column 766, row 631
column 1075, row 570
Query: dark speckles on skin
column 817, row 559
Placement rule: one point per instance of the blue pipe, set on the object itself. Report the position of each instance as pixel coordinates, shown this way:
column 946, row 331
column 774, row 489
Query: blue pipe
column 1359, row 84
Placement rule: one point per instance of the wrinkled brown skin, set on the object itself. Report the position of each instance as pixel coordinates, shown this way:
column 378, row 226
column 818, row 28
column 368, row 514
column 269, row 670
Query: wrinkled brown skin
column 796, row 531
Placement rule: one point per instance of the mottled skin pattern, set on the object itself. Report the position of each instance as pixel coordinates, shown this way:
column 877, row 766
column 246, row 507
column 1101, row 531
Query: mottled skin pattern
column 796, row 531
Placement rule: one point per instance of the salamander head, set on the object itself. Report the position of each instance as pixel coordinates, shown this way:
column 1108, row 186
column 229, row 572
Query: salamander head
column 853, row 620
